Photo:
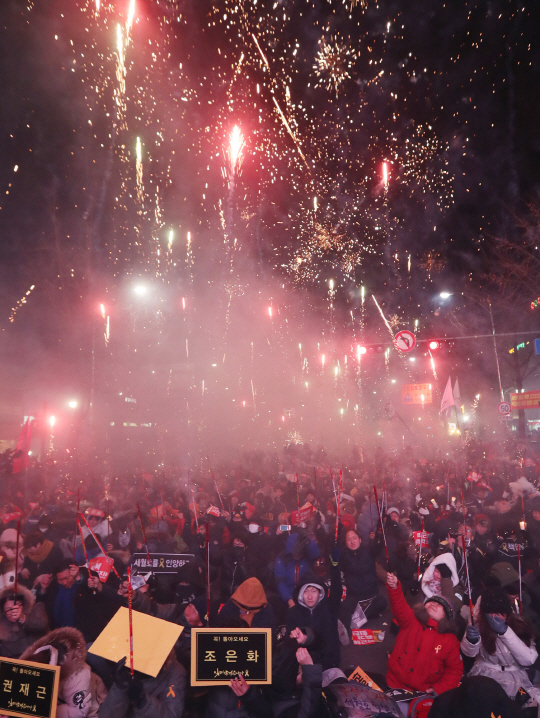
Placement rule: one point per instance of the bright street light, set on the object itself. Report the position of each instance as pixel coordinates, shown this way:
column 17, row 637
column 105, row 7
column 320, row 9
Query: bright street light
column 72, row 404
column 445, row 295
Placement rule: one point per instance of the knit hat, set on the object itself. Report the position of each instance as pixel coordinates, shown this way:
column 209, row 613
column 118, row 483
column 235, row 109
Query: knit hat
column 201, row 605
column 495, row 600
column 392, row 510
column 504, row 572
column 448, row 608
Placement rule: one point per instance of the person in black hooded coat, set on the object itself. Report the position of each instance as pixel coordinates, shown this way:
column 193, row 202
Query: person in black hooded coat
column 315, row 610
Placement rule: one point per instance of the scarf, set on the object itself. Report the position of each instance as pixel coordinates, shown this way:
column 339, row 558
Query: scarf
column 43, row 552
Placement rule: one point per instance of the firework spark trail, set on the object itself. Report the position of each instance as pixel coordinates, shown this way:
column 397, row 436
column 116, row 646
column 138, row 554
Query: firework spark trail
column 121, row 79
column 384, row 318
column 291, row 133
column 235, row 155
column 139, row 169
column 20, row 303
column 280, row 111
column 129, row 21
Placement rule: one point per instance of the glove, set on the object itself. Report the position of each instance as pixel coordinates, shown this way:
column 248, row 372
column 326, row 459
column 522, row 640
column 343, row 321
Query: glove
column 135, row 691
column 122, row 675
column 444, row 570
column 473, row 634
column 497, row 624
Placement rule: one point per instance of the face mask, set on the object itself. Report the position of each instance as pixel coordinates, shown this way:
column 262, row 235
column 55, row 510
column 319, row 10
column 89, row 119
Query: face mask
column 124, row 538
column 253, row 528
column 43, row 529
column 238, row 550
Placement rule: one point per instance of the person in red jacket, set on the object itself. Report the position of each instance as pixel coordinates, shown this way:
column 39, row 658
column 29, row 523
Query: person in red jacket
column 426, row 656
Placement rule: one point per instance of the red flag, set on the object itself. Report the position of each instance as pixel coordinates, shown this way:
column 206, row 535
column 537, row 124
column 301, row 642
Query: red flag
column 23, row 444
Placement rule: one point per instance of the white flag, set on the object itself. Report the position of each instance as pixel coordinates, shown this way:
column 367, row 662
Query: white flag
column 448, row 397
column 457, row 394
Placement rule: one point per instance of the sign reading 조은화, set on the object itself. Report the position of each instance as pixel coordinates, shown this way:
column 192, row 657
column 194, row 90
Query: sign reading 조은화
column 160, row 562
column 28, row 688
column 220, row 654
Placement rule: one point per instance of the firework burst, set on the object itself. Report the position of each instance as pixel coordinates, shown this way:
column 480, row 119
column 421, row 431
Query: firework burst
column 333, row 64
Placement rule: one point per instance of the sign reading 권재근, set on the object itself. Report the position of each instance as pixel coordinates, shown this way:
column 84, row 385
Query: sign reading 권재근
column 28, row 688
column 220, row 654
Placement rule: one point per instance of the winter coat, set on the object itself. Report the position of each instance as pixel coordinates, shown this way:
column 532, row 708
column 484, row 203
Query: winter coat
column 507, row 665
column 165, row 696
column 234, row 570
column 48, row 560
column 359, row 572
column 426, row 654
column 288, row 572
column 80, row 692
column 92, row 612
column 17, row 637
column 322, row 619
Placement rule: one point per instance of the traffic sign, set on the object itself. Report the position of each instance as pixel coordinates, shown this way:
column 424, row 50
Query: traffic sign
column 537, row 346
column 416, row 394
column 405, row 340
column 504, row 408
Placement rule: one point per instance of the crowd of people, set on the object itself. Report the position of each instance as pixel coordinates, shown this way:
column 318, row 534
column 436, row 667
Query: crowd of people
column 448, row 551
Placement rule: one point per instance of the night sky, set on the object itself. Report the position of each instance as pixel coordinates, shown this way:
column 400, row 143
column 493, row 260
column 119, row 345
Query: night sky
column 263, row 272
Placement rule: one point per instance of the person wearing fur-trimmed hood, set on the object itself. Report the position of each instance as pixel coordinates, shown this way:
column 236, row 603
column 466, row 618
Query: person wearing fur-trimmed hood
column 441, row 579
column 80, row 692
column 22, row 621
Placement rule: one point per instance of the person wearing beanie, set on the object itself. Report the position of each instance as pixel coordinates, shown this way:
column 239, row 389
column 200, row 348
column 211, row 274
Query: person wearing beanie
column 501, row 642
column 250, row 604
column 426, row 656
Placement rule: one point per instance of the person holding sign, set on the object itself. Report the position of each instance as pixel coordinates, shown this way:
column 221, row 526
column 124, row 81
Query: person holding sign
column 80, row 692
column 357, row 563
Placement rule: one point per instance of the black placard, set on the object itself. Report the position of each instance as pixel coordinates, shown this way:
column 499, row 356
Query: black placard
column 160, row 562
column 28, row 688
column 220, row 654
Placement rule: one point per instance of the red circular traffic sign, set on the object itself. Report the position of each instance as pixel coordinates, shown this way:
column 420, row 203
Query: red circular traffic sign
column 504, row 408
column 405, row 341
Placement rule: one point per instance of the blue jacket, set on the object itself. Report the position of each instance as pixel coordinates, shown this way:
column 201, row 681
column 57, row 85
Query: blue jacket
column 288, row 572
